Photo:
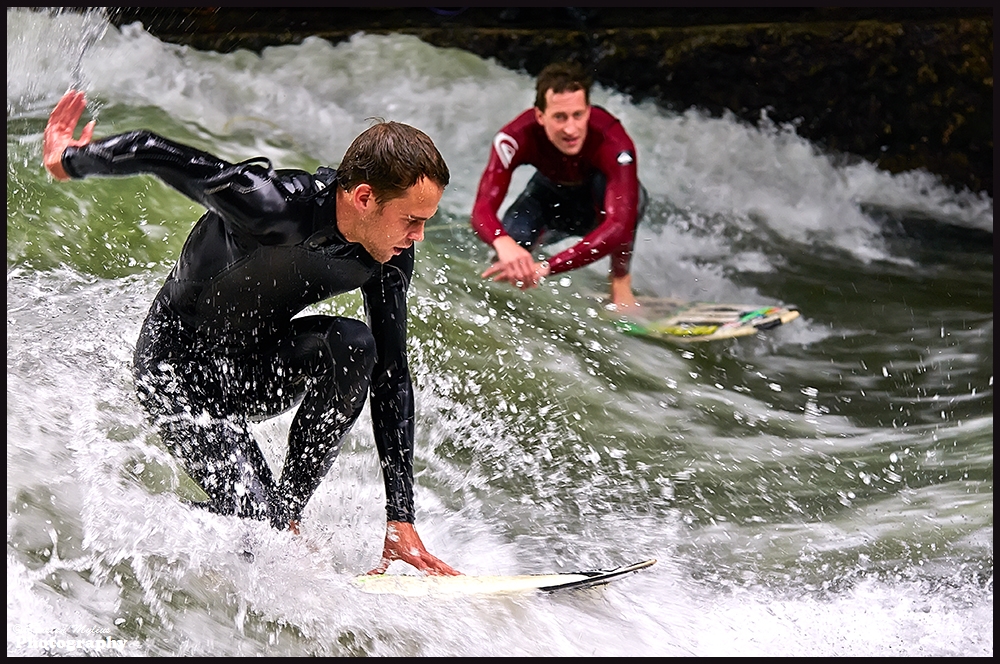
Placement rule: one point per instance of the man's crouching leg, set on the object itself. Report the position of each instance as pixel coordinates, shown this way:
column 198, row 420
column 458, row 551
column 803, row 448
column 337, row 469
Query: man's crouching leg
column 338, row 356
column 228, row 466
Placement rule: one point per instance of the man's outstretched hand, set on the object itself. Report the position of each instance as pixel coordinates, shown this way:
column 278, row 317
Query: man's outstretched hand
column 403, row 543
column 60, row 129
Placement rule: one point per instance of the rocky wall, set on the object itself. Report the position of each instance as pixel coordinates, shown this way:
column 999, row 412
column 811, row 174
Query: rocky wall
column 905, row 88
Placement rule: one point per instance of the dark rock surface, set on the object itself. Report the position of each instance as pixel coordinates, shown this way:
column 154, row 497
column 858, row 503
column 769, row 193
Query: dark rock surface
column 905, row 88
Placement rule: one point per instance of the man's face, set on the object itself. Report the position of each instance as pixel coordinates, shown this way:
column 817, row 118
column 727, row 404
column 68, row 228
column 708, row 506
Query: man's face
column 565, row 120
column 390, row 229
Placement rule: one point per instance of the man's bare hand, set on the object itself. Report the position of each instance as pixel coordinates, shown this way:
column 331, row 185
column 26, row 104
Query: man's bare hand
column 60, row 129
column 403, row 543
column 515, row 265
column 622, row 296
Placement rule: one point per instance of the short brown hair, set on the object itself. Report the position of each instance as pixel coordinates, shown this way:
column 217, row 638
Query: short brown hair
column 561, row 77
column 391, row 157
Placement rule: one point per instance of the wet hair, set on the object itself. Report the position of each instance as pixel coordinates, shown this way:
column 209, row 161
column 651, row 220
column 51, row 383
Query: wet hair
column 561, row 77
column 391, row 157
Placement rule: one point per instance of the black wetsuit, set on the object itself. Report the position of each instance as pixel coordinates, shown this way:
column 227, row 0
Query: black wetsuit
column 222, row 345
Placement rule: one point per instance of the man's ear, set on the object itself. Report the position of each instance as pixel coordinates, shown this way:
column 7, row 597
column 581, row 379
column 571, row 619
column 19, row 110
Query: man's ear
column 363, row 197
column 538, row 115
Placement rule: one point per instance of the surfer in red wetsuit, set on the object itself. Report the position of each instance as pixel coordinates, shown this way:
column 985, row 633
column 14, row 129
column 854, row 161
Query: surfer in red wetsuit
column 586, row 185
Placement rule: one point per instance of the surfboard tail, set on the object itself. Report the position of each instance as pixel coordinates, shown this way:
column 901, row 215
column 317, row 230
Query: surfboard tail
column 599, row 577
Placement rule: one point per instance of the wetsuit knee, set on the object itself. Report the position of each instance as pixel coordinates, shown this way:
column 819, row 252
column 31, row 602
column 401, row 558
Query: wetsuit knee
column 324, row 344
column 524, row 222
column 357, row 338
column 643, row 203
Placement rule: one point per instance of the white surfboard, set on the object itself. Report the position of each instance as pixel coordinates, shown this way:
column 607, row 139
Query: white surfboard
column 466, row 584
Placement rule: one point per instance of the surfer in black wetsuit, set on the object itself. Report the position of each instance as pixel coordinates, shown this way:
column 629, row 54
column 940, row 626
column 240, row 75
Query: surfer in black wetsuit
column 223, row 341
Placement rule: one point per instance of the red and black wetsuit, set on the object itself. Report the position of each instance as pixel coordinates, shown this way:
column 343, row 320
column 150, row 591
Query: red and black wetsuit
column 595, row 193
column 223, row 341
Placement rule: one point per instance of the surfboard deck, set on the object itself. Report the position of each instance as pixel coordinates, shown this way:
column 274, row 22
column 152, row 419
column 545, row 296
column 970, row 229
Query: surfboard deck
column 683, row 322
column 415, row 586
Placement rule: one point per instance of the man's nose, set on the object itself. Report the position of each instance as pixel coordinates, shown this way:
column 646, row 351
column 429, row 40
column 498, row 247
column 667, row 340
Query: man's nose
column 417, row 234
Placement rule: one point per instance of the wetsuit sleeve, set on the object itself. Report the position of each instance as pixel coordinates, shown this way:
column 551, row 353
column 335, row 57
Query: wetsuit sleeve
column 615, row 235
column 246, row 194
column 493, row 187
column 392, row 407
